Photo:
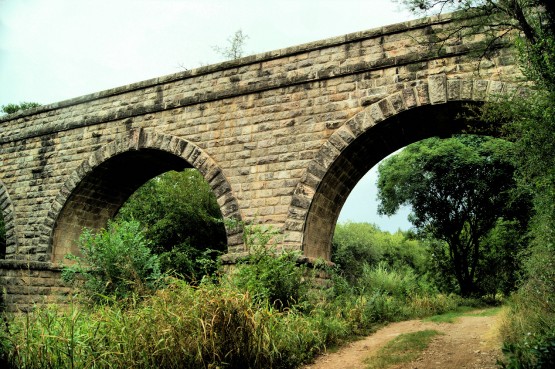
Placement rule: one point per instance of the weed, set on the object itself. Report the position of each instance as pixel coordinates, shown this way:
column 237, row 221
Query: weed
column 403, row 349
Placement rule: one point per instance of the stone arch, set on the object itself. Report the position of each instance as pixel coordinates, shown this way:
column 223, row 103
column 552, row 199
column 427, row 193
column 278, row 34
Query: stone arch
column 96, row 190
column 9, row 250
column 425, row 109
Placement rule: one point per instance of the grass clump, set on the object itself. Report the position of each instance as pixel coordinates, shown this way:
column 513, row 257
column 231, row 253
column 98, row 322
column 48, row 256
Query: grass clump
column 452, row 316
column 402, row 349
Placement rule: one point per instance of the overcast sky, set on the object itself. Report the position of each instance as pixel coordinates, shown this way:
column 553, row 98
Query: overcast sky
column 52, row 50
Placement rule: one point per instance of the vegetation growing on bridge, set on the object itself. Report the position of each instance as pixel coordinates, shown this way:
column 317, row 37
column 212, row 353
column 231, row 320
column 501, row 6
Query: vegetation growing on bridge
column 13, row 108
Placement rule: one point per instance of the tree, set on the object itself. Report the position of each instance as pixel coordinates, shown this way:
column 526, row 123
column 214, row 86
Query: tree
column 12, row 108
column 233, row 51
column 358, row 244
column 181, row 219
column 529, row 336
column 458, row 188
column 235, row 48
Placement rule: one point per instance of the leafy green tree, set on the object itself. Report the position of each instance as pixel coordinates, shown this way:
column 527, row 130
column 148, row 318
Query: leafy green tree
column 458, row 188
column 12, row 108
column 530, row 122
column 182, row 221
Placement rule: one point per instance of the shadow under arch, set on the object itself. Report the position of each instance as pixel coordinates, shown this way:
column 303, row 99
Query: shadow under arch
column 9, row 244
column 433, row 107
column 100, row 185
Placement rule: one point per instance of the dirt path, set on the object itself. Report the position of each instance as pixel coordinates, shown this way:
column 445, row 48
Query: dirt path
column 471, row 342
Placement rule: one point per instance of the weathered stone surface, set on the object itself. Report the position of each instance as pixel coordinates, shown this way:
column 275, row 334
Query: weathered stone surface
column 281, row 137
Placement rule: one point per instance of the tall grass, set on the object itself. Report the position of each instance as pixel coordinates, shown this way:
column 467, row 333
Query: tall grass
column 213, row 325
column 267, row 314
column 178, row 327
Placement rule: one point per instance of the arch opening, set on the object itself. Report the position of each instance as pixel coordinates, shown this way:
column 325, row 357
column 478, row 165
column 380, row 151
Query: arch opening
column 101, row 193
column 364, row 152
column 97, row 190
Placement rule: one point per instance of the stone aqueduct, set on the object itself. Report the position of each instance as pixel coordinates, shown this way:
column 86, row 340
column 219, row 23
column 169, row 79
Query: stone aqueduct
column 281, row 137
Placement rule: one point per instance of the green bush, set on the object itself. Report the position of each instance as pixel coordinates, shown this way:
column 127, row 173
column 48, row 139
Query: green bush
column 528, row 333
column 190, row 263
column 268, row 274
column 115, row 262
column 381, row 278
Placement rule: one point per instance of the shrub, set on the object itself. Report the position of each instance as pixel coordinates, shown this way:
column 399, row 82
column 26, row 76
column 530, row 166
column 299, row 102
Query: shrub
column 115, row 262
column 268, row 274
column 528, row 333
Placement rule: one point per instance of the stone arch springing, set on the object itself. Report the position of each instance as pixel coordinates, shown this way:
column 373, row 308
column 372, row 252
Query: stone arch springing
column 95, row 191
column 425, row 109
column 9, row 249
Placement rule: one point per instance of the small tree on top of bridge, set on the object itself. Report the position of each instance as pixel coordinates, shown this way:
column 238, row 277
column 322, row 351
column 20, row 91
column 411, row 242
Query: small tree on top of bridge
column 235, row 49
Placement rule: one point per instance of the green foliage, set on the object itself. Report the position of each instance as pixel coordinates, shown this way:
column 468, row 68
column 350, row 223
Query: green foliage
column 182, row 221
column 528, row 334
column 180, row 326
column 402, row 349
column 115, row 262
column 13, row 108
column 356, row 245
column 214, row 324
column 457, row 189
column 397, row 283
column 501, row 266
column 268, row 274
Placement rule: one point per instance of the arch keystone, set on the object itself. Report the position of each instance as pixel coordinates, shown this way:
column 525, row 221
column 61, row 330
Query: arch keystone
column 437, row 88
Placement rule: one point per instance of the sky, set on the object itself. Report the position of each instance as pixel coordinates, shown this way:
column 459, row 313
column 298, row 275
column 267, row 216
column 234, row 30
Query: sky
column 53, row 50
